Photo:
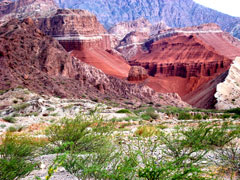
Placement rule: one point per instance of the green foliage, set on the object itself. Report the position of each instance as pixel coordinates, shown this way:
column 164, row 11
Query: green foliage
column 184, row 116
column 2, row 92
column 50, row 109
column 124, row 111
column 235, row 110
column 12, row 129
column 151, row 112
column 16, row 154
column 197, row 117
column 145, row 117
column 225, row 116
column 86, row 134
column 19, row 107
column 9, row 119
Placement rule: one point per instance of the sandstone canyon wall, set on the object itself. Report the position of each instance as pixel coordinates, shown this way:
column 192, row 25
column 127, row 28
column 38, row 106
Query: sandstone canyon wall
column 185, row 60
column 33, row 60
column 80, row 33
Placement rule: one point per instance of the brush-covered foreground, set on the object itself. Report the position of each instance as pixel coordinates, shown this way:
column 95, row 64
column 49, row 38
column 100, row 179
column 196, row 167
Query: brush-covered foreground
column 82, row 139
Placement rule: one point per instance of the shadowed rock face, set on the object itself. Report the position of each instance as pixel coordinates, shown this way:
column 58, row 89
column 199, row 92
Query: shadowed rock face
column 33, row 60
column 186, row 60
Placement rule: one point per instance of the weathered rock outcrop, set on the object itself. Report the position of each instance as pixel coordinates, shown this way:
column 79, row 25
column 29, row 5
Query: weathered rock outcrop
column 75, row 29
column 137, row 73
column 228, row 92
column 185, row 60
column 123, row 28
column 26, row 8
column 79, row 32
column 30, row 59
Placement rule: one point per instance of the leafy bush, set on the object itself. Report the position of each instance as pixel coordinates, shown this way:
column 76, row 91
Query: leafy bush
column 184, row 116
column 9, row 119
column 82, row 134
column 16, row 155
column 197, row 117
column 235, row 110
column 151, row 112
column 124, row 111
column 145, row 117
column 225, row 116
column 22, row 106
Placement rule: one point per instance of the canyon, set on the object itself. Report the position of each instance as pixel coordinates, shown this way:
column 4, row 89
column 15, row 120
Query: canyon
column 185, row 60
column 29, row 58
column 189, row 61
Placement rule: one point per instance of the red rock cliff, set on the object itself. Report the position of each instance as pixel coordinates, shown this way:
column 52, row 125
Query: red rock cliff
column 75, row 29
column 185, row 60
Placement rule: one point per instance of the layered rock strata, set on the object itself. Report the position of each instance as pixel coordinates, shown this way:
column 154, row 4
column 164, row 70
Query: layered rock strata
column 228, row 92
column 185, row 60
column 75, row 29
column 30, row 59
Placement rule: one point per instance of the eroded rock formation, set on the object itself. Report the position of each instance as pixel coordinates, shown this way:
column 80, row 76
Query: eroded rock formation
column 185, row 60
column 75, row 29
column 228, row 92
column 33, row 60
column 137, row 73
column 26, row 8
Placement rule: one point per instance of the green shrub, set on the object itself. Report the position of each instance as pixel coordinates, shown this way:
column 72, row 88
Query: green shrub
column 205, row 116
column 2, row 92
column 184, row 116
column 197, row 117
column 9, row 119
column 235, row 110
column 16, row 156
column 82, row 134
column 12, row 129
column 145, row 117
column 151, row 112
column 22, row 106
column 124, row 111
column 225, row 116
column 50, row 109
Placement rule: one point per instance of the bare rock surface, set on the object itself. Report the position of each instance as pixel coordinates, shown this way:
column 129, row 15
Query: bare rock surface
column 30, row 59
column 137, row 73
column 228, row 92
column 26, row 8
column 184, row 60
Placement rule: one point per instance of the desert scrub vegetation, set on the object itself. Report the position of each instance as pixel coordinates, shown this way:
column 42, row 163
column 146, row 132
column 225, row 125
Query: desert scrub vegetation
column 9, row 119
column 82, row 134
column 19, row 107
column 89, row 148
column 16, row 156
column 124, row 111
